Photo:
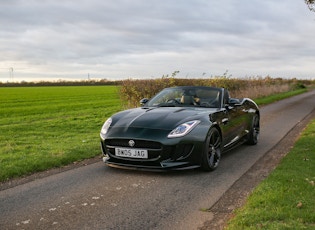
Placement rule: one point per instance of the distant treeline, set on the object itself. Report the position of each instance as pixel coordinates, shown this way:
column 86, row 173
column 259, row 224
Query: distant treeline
column 60, row 83
column 154, row 85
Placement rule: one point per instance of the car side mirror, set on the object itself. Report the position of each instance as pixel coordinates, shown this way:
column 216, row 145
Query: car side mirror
column 234, row 102
column 143, row 101
column 228, row 106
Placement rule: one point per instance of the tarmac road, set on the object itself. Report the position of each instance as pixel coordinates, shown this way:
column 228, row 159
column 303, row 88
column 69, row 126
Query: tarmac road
column 97, row 197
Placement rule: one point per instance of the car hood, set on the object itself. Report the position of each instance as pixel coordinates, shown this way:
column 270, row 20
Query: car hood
column 159, row 117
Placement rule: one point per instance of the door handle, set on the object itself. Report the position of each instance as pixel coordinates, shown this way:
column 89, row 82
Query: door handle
column 225, row 121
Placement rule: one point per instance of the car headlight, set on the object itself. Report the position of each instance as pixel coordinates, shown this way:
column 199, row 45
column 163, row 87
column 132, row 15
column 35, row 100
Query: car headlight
column 105, row 127
column 183, row 129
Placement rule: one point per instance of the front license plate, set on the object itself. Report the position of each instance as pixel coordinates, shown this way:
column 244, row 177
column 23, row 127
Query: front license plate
column 132, row 153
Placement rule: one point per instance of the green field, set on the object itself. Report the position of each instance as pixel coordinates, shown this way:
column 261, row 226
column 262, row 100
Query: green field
column 44, row 127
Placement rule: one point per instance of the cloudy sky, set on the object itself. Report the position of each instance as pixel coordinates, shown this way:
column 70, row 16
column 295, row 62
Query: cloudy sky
column 118, row 39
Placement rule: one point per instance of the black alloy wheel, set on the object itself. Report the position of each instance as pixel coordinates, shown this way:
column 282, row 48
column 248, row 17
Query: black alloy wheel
column 212, row 151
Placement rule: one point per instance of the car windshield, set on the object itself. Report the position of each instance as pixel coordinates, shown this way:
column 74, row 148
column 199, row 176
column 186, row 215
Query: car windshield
column 187, row 96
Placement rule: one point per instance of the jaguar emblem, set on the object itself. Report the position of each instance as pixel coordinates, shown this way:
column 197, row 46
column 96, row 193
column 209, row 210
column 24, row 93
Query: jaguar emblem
column 131, row 143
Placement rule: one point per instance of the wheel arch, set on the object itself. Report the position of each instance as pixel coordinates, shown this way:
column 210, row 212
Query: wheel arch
column 258, row 114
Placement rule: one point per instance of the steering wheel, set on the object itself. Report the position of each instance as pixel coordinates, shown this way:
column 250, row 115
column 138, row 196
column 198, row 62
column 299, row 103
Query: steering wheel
column 211, row 104
column 205, row 104
column 174, row 101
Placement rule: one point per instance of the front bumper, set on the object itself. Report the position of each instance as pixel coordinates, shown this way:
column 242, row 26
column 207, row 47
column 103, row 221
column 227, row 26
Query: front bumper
column 164, row 167
column 178, row 156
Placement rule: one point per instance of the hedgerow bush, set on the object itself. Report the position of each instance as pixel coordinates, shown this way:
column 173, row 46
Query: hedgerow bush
column 133, row 90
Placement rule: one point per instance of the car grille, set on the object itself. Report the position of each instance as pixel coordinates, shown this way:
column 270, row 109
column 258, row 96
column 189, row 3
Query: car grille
column 138, row 143
column 156, row 151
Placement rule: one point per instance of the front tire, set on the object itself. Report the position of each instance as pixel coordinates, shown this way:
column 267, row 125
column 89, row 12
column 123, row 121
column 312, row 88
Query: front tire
column 212, row 151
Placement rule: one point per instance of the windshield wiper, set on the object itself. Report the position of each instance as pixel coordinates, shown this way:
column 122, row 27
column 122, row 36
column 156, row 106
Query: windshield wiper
column 167, row 105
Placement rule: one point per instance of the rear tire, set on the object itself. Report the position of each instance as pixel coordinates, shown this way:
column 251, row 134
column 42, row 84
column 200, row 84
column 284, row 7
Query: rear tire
column 212, row 150
column 254, row 131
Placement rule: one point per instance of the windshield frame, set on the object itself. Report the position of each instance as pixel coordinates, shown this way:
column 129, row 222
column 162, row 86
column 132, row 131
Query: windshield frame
column 187, row 96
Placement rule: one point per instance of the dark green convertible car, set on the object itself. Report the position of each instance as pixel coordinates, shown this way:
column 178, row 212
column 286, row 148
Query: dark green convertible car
column 179, row 128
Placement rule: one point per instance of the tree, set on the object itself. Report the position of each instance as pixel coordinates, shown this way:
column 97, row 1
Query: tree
column 310, row 4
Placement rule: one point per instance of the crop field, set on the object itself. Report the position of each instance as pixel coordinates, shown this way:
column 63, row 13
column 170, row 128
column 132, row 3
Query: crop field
column 44, row 127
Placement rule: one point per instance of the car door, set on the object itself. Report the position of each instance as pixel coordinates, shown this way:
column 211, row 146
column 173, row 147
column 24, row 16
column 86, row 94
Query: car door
column 233, row 120
column 238, row 121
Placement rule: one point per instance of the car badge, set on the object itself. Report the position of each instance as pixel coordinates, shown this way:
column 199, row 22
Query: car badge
column 131, row 143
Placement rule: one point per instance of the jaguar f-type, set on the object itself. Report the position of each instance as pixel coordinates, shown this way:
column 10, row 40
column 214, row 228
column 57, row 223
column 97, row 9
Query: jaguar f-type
column 180, row 128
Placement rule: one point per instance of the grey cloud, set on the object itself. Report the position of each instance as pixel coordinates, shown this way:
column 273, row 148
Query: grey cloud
column 102, row 35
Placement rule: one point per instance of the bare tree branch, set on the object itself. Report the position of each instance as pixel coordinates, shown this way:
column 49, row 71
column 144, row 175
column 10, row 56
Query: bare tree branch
column 310, row 4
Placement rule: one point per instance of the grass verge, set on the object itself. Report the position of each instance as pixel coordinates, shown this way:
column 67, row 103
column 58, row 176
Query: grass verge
column 285, row 200
column 279, row 96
